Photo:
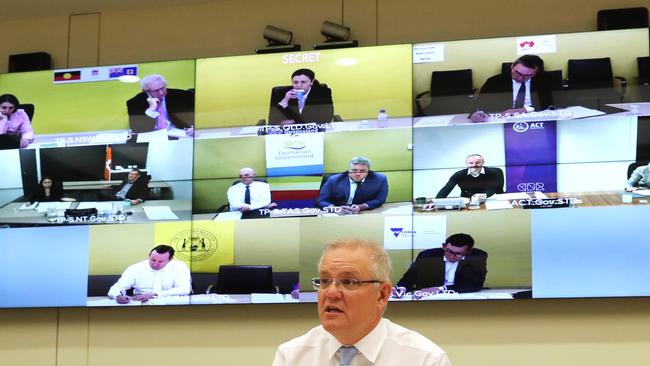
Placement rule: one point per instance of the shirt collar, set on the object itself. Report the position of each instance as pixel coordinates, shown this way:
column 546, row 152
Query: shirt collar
column 481, row 172
column 369, row 346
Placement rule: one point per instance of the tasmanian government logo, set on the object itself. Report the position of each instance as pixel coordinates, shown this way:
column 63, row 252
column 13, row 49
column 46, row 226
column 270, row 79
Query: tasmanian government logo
column 530, row 187
column 294, row 142
column 194, row 244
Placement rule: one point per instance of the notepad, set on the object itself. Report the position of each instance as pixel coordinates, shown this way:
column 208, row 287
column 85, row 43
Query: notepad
column 160, row 213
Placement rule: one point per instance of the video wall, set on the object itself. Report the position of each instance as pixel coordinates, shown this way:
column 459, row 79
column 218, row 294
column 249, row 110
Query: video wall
column 220, row 180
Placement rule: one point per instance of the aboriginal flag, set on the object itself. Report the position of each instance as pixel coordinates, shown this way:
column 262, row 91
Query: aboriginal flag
column 67, row 75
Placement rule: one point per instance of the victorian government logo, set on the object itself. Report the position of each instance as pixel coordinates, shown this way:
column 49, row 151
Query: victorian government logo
column 520, row 126
column 194, row 244
column 396, row 231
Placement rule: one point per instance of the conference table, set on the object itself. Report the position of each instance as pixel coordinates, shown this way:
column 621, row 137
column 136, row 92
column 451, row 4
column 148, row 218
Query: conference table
column 108, row 212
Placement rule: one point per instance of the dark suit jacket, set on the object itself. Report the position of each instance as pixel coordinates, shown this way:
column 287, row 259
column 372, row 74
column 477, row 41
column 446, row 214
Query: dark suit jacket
column 496, row 93
column 489, row 184
column 139, row 189
column 318, row 106
column 180, row 109
column 428, row 270
column 336, row 191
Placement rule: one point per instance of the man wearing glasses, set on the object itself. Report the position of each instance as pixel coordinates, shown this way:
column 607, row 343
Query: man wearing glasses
column 522, row 90
column 356, row 190
column 159, row 108
column 353, row 291
column 457, row 266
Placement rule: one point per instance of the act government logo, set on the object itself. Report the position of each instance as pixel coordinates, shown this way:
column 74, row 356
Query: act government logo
column 520, row 126
column 531, row 187
column 194, row 244
column 294, row 142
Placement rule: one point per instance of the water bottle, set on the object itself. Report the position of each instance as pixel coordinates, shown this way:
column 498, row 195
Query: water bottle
column 382, row 119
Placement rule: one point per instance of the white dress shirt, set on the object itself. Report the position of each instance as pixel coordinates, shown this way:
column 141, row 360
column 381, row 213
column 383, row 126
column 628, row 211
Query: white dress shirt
column 173, row 279
column 388, row 344
column 260, row 195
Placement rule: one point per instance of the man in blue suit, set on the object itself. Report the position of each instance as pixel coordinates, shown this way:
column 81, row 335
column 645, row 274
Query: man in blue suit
column 356, row 190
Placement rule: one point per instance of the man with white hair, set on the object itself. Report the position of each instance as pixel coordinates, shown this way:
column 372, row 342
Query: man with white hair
column 353, row 291
column 159, row 108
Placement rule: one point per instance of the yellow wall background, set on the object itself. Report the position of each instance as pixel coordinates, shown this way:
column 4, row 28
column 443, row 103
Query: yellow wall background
column 595, row 332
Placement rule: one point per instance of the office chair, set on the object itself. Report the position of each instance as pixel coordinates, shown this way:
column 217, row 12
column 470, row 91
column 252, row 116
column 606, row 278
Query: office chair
column 633, row 166
column 98, row 285
column 643, row 65
column 29, row 110
column 244, row 279
column 592, row 73
column 450, row 92
column 610, row 19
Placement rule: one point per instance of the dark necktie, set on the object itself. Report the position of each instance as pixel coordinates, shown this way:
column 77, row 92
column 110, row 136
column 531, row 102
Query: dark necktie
column 347, row 354
column 521, row 96
column 247, row 195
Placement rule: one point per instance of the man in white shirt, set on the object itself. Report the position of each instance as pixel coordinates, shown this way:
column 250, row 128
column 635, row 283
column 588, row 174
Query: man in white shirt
column 353, row 291
column 249, row 194
column 157, row 276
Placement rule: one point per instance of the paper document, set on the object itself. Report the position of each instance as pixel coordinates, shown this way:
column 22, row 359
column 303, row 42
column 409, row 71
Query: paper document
column 176, row 132
column 401, row 210
column 541, row 195
column 497, row 205
column 44, row 206
column 231, row 215
column 643, row 192
column 251, row 130
column 509, row 196
column 582, row 112
column 271, row 298
column 28, row 206
column 434, row 121
column 160, row 213
column 157, row 135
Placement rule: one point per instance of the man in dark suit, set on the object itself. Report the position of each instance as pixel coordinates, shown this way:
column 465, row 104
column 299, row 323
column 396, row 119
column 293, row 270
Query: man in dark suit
column 477, row 181
column 356, row 190
column 305, row 101
column 457, row 266
column 524, row 89
column 158, row 108
column 133, row 188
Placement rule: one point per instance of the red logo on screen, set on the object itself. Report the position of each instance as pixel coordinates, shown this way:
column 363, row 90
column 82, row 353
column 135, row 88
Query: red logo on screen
column 527, row 44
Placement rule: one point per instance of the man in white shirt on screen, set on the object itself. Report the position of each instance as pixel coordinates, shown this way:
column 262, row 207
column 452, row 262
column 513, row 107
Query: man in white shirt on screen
column 249, row 194
column 157, row 276
column 353, row 291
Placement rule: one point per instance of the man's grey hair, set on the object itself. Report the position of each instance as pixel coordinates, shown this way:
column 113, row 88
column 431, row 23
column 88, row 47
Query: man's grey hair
column 360, row 160
column 380, row 267
column 144, row 83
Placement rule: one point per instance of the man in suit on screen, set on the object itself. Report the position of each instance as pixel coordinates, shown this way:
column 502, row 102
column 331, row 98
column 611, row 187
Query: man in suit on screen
column 356, row 190
column 456, row 266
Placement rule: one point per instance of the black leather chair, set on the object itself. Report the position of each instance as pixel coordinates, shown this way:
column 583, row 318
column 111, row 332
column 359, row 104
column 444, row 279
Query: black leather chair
column 451, row 91
column 633, row 166
column 29, row 109
column 244, row 279
column 643, row 65
column 592, row 73
column 610, row 19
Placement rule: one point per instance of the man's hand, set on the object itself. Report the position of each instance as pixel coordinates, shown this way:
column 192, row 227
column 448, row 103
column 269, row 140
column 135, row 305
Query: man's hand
column 244, row 208
column 514, row 111
column 189, row 132
column 479, row 116
column 144, row 297
column 122, row 299
column 630, row 189
column 481, row 197
column 134, row 202
column 153, row 103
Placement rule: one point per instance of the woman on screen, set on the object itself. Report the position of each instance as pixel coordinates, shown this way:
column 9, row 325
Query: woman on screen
column 48, row 190
column 14, row 122
column 305, row 101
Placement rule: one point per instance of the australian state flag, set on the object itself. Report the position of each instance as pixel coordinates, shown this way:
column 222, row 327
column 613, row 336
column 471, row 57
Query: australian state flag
column 70, row 75
column 116, row 72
